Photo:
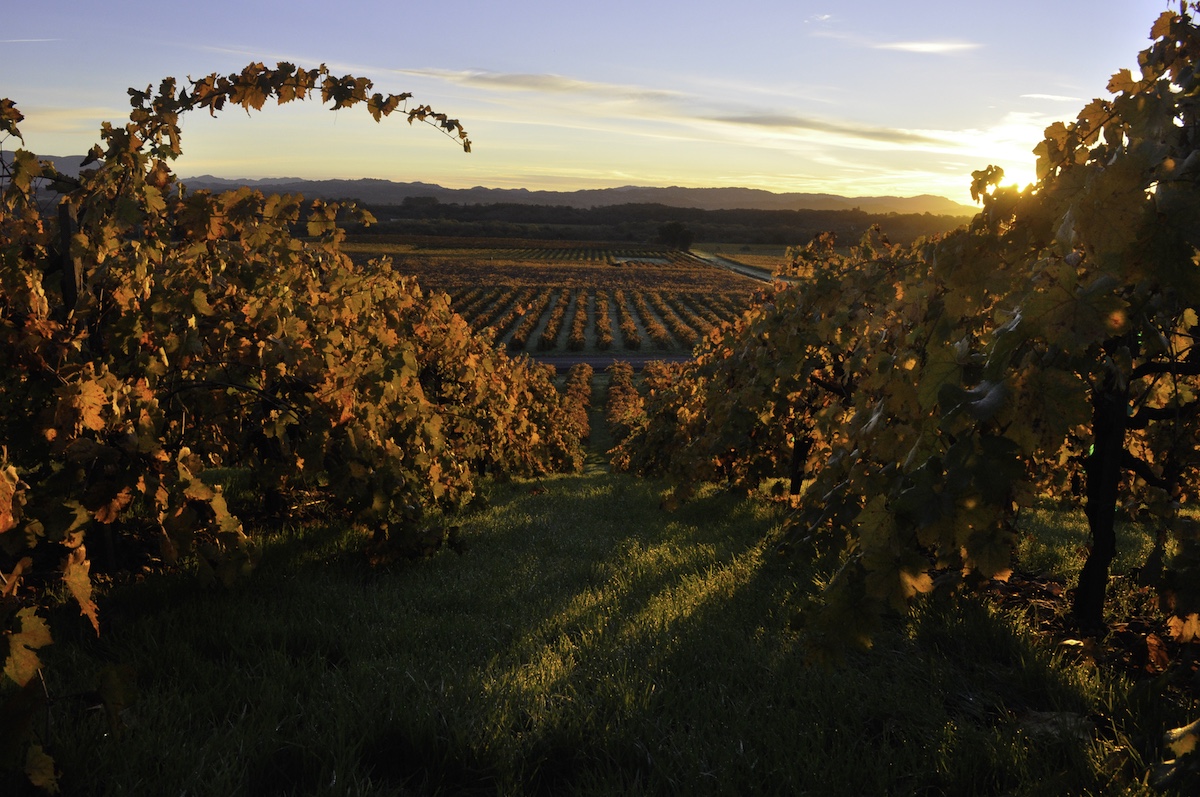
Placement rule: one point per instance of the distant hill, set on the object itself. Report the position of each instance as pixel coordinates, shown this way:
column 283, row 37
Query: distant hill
column 387, row 192
column 68, row 165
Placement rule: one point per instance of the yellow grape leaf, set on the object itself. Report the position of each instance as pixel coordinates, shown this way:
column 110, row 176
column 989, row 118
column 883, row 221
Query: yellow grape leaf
column 39, row 768
column 249, row 95
column 90, row 401
column 200, row 302
column 1122, row 81
column 76, row 576
column 1183, row 740
column 196, row 489
column 1185, row 629
column 1162, row 25
column 915, row 583
column 9, row 506
column 154, row 200
column 226, row 521
column 23, row 662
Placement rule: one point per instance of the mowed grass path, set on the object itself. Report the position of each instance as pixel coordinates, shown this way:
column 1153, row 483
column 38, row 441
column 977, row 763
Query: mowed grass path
column 586, row 643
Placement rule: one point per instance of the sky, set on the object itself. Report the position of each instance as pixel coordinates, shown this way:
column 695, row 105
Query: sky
column 859, row 99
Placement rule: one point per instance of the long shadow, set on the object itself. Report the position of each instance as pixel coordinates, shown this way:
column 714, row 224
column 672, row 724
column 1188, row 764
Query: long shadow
column 590, row 642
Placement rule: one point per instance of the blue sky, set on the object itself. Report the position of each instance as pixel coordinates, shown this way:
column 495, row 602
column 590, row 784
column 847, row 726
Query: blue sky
column 858, row 99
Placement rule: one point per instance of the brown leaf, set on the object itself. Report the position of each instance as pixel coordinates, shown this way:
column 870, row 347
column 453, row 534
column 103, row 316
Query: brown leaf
column 13, row 579
column 110, row 511
column 1158, row 658
column 1185, row 629
column 76, row 576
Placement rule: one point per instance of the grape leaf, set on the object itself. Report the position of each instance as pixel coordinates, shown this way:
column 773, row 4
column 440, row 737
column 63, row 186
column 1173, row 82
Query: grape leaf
column 1074, row 316
column 39, row 768
column 10, row 117
column 942, row 367
column 85, row 403
column 1122, row 82
column 10, row 501
column 1183, row 740
column 1185, row 629
column 23, row 662
column 76, row 569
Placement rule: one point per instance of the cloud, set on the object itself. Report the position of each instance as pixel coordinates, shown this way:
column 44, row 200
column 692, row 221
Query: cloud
column 1051, row 97
column 45, row 119
column 920, row 47
column 543, row 83
column 931, row 48
column 571, row 103
column 886, row 135
column 27, row 41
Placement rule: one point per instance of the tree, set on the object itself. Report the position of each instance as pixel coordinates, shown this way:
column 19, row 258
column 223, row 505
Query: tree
column 676, row 235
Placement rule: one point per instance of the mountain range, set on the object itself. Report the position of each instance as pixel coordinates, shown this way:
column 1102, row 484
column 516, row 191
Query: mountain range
column 371, row 191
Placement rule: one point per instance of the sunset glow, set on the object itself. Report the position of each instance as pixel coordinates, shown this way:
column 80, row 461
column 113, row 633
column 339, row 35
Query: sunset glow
column 888, row 98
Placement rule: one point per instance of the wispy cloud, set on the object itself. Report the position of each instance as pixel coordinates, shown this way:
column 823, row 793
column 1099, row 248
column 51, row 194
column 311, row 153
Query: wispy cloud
column 1051, row 97
column 27, row 41
column 930, row 48
column 919, row 47
column 887, row 135
column 543, row 83
column 572, row 103
column 44, row 119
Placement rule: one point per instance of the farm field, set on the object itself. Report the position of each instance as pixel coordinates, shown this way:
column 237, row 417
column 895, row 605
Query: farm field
column 766, row 258
column 572, row 297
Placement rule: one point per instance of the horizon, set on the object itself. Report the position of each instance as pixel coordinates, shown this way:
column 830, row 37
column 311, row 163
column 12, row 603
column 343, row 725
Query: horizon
column 783, row 97
column 293, row 178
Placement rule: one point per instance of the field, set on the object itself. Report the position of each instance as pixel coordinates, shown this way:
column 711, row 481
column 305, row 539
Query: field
column 586, row 298
column 759, row 256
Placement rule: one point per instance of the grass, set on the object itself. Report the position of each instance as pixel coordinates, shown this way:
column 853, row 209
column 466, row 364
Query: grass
column 587, row 643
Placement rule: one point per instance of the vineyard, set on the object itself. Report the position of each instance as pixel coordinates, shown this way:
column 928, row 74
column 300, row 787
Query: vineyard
column 284, row 511
column 588, row 298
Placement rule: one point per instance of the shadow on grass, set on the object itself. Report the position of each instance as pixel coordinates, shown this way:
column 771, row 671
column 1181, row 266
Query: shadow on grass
column 587, row 643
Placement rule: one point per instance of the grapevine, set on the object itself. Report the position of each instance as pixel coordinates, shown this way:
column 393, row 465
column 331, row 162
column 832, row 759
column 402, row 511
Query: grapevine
column 148, row 332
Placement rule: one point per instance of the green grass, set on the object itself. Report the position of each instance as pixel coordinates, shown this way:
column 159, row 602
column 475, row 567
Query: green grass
column 586, row 643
